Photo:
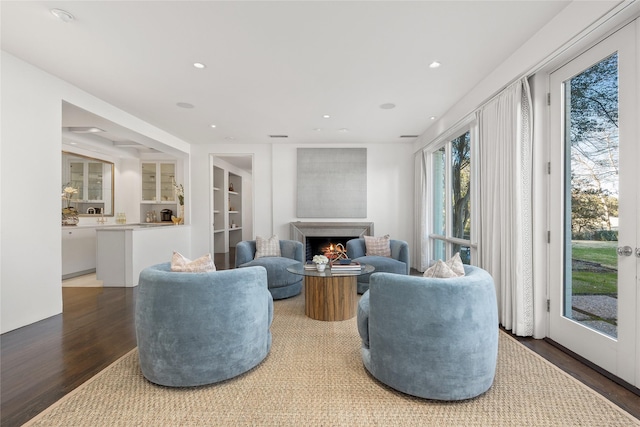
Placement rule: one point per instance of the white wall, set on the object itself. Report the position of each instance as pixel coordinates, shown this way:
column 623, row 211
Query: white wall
column 30, row 242
column 570, row 27
column 201, row 196
column 389, row 190
column 31, row 169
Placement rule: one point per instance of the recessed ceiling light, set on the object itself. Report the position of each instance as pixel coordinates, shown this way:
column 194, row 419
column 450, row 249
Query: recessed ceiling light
column 62, row 15
column 388, row 106
column 343, row 130
column 434, row 64
column 184, row 105
column 326, row 116
column 199, row 65
column 230, row 138
column 317, row 129
column 433, row 117
column 84, row 129
column 213, row 126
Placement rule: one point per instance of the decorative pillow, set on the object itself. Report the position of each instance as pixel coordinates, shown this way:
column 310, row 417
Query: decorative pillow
column 267, row 247
column 444, row 270
column 440, row 270
column 201, row 265
column 380, row 246
column 456, row 265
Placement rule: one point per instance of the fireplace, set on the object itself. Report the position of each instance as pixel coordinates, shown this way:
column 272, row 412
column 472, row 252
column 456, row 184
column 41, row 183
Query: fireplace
column 315, row 236
column 324, row 245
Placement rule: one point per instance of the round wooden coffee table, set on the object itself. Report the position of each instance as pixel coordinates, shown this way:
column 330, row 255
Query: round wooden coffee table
column 330, row 296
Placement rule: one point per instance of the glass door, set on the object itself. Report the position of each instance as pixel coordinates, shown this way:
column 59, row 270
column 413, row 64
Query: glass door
column 95, row 181
column 593, row 284
column 77, row 179
column 149, row 183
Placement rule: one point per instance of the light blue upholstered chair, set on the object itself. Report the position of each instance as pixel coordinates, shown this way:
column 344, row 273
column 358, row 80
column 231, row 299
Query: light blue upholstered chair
column 282, row 284
column 398, row 262
column 201, row 328
column 431, row 338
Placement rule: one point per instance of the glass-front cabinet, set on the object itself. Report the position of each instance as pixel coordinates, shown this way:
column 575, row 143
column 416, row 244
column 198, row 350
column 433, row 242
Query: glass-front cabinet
column 87, row 177
column 93, row 181
column 157, row 182
column 158, row 197
column 76, row 171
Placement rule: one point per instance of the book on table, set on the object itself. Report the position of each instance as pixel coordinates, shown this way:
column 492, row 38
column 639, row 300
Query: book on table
column 310, row 266
column 353, row 266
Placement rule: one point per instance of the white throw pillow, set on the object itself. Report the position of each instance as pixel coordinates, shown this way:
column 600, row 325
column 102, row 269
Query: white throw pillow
column 445, row 270
column 379, row 246
column 440, row 270
column 456, row 265
column 267, row 247
column 180, row 263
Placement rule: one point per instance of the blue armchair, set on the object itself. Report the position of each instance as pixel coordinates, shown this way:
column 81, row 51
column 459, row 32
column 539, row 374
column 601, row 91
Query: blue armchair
column 201, row 328
column 282, row 284
column 431, row 338
column 398, row 262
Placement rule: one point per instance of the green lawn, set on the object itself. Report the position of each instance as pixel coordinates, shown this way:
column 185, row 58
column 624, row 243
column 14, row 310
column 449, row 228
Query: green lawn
column 590, row 282
column 601, row 252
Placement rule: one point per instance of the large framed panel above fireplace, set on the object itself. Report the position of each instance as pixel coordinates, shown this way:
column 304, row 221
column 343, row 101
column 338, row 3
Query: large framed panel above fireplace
column 313, row 235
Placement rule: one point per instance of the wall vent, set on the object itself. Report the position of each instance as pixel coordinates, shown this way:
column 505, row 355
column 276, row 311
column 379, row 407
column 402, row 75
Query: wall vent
column 278, row 136
column 409, row 136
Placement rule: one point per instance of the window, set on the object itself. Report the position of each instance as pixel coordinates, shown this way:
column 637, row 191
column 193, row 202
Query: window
column 451, row 194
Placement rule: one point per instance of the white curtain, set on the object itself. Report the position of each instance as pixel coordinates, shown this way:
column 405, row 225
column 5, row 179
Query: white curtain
column 505, row 241
column 421, row 242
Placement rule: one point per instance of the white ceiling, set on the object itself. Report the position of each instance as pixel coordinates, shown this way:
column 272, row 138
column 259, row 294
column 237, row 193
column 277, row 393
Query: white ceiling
column 275, row 68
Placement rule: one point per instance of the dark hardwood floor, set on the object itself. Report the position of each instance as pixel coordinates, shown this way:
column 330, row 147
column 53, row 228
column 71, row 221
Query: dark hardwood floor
column 40, row 363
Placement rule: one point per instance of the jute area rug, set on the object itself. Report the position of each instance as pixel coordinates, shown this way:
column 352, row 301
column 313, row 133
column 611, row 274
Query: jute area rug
column 314, row 376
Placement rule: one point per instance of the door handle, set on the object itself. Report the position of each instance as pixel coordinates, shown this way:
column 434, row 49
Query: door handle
column 625, row 251
column 638, row 252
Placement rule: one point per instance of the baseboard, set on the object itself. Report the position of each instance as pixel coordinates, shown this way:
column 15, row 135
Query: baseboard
column 78, row 273
column 633, row 389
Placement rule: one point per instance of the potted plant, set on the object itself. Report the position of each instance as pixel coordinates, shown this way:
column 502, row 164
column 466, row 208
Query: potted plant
column 179, row 190
column 320, row 261
column 69, row 213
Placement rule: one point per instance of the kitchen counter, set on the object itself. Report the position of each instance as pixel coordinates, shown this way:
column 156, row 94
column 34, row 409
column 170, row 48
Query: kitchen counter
column 124, row 250
column 98, row 225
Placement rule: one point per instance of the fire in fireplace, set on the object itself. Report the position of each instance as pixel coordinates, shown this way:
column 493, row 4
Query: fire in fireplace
column 324, row 245
column 317, row 235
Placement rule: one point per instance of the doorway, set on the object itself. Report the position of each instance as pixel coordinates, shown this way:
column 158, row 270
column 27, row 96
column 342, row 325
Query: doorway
column 231, row 184
column 594, row 243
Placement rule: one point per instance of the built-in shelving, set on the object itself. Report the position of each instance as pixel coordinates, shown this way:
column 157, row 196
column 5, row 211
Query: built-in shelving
column 227, row 209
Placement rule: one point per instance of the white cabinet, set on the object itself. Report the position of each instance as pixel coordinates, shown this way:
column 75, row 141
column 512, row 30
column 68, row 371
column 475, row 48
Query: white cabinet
column 157, row 182
column 78, row 251
column 94, row 181
column 158, row 191
column 227, row 209
column 123, row 252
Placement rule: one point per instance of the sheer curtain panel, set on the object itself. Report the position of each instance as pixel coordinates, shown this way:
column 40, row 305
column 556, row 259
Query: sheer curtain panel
column 505, row 241
column 421, row 242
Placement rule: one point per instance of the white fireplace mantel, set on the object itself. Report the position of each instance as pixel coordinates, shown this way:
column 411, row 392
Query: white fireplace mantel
column 301, row 230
